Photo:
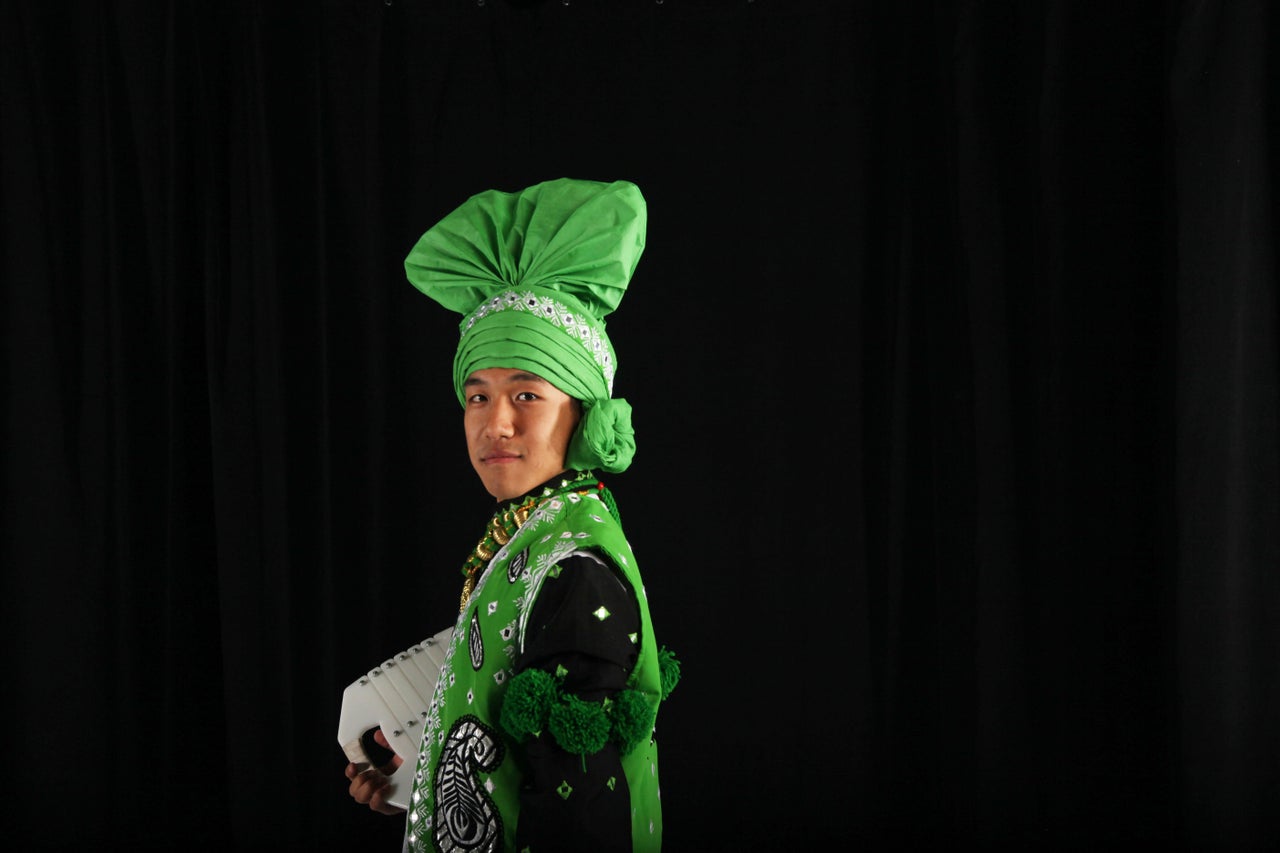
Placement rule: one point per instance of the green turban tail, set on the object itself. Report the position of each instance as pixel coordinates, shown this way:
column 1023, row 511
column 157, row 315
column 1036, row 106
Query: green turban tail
column 604, row 438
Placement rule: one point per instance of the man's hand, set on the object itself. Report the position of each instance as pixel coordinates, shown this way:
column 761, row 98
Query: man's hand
column 369, row 784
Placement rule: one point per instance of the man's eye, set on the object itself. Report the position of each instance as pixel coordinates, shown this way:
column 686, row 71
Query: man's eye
column 526, row 396
column 476, row 398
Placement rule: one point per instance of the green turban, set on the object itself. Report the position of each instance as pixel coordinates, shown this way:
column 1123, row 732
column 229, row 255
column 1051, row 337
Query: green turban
column 534, row 273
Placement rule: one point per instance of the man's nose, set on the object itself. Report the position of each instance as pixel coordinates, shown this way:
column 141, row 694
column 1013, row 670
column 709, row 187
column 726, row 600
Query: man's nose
column 500, row 423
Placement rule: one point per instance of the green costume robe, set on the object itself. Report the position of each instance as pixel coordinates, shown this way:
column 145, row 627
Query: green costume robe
column 466, row 788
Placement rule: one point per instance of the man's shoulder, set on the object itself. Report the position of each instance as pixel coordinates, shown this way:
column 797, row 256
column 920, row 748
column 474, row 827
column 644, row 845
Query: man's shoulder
column 583, row 522
column 588, row 511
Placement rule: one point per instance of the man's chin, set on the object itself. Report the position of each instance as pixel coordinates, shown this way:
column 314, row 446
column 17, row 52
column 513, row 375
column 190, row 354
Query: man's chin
column 504, row 485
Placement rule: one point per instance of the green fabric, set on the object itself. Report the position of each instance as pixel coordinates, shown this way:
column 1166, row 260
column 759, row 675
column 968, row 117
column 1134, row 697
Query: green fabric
column 519, row 339
column 534, row 274
column 468, row 777
column 604, row 438
column 572, row 241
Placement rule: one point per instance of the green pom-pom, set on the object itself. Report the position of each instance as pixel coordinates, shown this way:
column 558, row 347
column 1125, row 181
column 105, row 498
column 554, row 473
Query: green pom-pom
column 581, row 728
column 526, row 705
column 669, row 667
column 632, row 718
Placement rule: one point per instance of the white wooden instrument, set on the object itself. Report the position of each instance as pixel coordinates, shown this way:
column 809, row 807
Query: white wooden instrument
column 394, row 697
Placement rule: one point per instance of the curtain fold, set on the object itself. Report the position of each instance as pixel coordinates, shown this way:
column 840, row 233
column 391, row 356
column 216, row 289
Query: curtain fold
column 1222, row 131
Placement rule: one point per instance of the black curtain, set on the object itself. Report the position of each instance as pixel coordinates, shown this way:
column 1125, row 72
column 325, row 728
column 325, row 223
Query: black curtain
column 953, row 355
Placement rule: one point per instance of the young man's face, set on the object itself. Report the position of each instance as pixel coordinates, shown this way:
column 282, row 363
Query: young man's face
column 518, row 429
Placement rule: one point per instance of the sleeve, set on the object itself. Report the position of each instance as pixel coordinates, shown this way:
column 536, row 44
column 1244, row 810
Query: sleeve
column 582, row 629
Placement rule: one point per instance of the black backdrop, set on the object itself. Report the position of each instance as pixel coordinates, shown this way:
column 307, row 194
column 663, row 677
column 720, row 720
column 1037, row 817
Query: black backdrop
column 953, row 355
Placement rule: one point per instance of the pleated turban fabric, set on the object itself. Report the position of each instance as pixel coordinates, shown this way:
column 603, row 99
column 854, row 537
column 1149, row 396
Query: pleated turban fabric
column 534, row 273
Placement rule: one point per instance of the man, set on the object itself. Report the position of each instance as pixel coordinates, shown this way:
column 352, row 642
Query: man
column 540, row 734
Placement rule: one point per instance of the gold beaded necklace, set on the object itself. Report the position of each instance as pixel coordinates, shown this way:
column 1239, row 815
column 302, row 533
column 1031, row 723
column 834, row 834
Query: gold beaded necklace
column 506, row 522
